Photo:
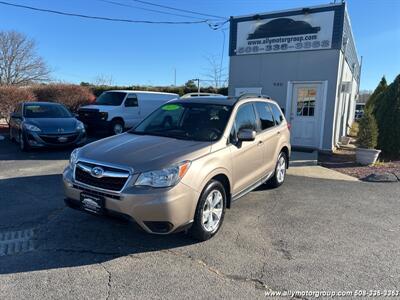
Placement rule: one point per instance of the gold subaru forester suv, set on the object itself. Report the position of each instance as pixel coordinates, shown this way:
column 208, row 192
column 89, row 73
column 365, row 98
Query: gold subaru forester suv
column 183, row 165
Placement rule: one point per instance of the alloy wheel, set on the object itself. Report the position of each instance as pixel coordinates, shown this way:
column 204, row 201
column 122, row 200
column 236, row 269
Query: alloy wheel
column 281, row 169
column 212, row 211
column 118, row 128
column 21, row 141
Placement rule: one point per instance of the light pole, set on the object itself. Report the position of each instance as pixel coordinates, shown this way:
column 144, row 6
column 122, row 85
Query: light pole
column 198, row 84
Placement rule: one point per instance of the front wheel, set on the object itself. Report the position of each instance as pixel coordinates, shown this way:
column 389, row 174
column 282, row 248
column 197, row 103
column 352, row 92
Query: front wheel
column 10, row 134
column 210, row 211
column 280, row 171
column 23, row 144
column 117, row 127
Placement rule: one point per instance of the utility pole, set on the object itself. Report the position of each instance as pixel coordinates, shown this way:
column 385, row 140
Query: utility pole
column 174, row 76
column 198, row 84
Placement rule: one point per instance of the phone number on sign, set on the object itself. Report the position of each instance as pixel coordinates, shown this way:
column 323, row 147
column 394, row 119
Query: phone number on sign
column 332, row 294
column 377, row 293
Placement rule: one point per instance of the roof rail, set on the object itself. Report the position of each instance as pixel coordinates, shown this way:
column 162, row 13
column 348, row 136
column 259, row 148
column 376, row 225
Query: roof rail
column 252, row 95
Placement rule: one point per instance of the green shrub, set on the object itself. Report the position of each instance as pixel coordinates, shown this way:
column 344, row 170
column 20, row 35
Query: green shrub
column 180, row 90
column 367, row 136
column 354, row 129
column 388, row 118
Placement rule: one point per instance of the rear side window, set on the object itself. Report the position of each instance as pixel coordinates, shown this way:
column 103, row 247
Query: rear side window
column 277, row 114
column 131, row 101
column 265, row 115
column 245, row 118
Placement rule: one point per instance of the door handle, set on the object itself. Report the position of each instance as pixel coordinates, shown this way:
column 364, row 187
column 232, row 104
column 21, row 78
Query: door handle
column 278, row 132
column 260, row 142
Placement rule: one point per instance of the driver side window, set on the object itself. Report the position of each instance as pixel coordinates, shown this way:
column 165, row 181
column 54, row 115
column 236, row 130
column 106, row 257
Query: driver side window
column 131, row 101
column 245, row 119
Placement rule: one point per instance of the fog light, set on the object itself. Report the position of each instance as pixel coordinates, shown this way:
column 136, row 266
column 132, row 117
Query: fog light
column 159, row 227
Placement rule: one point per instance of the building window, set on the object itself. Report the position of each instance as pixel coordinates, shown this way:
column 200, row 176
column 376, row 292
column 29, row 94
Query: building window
column 306, row 98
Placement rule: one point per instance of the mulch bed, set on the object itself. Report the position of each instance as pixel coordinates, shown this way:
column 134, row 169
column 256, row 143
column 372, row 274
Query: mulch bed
column 344, row 161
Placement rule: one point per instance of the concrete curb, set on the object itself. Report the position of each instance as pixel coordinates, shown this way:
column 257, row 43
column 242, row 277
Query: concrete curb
column 320, row 173
column 303, row 163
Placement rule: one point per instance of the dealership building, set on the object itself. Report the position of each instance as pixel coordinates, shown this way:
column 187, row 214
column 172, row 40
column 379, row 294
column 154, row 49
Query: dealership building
column 306, row 60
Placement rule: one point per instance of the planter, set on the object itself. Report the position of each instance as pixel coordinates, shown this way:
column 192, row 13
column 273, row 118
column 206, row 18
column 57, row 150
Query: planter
column 345, row 140
column 367, row 156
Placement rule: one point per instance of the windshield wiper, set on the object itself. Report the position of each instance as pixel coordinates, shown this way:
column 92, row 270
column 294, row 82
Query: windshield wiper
column 160, row 133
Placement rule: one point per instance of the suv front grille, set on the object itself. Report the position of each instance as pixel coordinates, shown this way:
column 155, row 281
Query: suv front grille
column 113, row 179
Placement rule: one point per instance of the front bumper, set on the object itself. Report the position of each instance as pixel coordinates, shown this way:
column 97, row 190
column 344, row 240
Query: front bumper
column 95, row 123
column 37, row 140
column 156, row 210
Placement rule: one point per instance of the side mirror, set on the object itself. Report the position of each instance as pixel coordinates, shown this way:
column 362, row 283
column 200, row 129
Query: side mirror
column 246, row 135
column 15, row 115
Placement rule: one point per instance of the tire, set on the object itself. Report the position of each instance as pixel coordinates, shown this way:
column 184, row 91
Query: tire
column 280, row 171
column 23, row 145
column 204, row 228
column 12, row 139
column 117, row 127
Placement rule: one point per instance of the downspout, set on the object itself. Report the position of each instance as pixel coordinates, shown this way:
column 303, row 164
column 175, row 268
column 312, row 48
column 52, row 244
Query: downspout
column 339, row 93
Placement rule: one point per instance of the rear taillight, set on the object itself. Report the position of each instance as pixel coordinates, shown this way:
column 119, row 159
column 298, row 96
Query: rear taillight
column 289, row 126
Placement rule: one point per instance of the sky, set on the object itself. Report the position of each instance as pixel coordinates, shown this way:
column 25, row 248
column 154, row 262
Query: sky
column 81, row 50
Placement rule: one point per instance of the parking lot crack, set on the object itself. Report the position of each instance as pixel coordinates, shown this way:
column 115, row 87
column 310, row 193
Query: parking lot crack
column 258, row 283
column 108, row 280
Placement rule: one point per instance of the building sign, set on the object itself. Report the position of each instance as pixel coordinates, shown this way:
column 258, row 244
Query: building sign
column 294, row 33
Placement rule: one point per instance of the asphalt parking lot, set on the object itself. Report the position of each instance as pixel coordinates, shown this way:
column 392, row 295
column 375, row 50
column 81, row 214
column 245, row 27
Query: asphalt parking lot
column 310, row 234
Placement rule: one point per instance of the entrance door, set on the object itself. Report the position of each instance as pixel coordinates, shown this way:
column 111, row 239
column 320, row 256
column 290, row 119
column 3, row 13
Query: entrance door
column 305, row 114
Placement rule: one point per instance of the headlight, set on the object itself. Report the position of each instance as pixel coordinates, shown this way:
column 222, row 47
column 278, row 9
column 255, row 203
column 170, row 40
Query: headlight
column 80, row 126
column 31, row 127
column 163, row 178
column 73, row 158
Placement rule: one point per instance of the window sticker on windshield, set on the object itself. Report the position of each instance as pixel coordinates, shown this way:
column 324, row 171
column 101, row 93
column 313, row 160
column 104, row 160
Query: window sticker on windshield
column 171, row 107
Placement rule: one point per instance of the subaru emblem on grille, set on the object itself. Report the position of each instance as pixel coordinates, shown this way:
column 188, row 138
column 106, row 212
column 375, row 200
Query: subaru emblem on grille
column 97, row 172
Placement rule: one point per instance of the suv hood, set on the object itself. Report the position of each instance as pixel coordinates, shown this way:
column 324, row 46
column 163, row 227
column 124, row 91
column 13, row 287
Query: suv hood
column 101, row 108
column 143, row 152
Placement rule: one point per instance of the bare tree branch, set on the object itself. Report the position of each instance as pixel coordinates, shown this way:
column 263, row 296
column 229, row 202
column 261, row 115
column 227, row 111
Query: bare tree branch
column 103, row 79
column 214, row 72
column 19, row 62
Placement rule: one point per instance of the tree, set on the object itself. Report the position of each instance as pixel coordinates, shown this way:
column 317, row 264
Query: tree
column 103, row 79
column 373, row 100
column 215, row 73
column 190, row 85
column 19, row 62
column 388, row 118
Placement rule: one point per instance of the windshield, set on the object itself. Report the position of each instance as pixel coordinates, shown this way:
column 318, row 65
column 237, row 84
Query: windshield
column 189, row 121
column 111, row 98
column 46, row 111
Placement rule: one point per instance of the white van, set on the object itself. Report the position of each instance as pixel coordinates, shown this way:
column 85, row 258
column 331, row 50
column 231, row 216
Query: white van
column 118, row 109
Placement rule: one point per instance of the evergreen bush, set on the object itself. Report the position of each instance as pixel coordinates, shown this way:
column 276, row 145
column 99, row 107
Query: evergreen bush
column 367, row 136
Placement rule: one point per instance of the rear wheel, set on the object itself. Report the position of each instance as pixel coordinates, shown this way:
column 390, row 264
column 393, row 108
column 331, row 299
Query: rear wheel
column 210, row 211
column 280, row 171
column 117, row 127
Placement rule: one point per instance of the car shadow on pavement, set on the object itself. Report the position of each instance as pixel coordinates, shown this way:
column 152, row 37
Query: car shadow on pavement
column 10, row 151
column 63, row 237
